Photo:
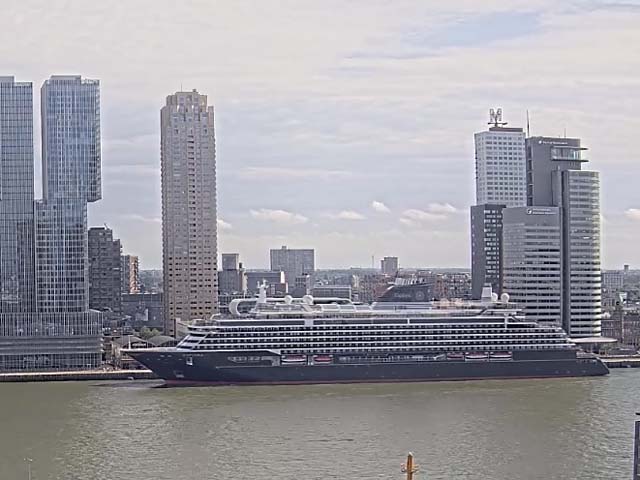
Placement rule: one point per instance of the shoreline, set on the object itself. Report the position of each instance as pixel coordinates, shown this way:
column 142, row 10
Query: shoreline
column 143, row 374
column 79, row 375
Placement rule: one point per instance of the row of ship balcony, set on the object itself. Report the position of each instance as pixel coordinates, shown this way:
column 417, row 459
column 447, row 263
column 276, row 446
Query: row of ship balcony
column 256, row 344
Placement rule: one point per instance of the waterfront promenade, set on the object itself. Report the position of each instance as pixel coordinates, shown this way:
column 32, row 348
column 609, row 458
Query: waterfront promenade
column 77, row 375
column 622, row 361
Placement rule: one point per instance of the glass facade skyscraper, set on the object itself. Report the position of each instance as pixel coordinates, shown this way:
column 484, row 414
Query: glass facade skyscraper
column 569, row 279
column 17, row 274
column 70, row 109
column 45, row 321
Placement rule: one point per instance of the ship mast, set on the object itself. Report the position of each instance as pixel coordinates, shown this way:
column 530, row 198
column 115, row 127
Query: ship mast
column 410, row 468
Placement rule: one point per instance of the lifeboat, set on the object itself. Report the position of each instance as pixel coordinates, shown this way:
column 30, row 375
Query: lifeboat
column 296, row 359
column 322, row 359
column 501, row 356
column 476, row 357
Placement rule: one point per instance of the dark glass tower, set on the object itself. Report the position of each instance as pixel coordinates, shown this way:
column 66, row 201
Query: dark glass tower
column 71, row 177
column 17, row 273
column 45, row 321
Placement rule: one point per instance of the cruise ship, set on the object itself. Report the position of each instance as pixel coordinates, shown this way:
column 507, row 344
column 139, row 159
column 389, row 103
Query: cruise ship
column 306, row 341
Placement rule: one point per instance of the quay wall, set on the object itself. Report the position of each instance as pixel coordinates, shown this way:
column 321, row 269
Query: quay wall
column 79, row 375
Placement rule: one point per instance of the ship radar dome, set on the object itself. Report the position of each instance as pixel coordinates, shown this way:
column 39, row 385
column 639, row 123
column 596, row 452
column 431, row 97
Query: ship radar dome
column 504, row 298
column 494, row 297
column 307, row 300
column 288, row 299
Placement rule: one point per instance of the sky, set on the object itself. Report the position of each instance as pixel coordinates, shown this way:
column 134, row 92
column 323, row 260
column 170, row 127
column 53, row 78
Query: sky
column 345, row 126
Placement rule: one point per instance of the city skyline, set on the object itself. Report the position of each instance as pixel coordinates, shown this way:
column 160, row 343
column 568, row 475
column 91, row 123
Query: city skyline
column 378, row 124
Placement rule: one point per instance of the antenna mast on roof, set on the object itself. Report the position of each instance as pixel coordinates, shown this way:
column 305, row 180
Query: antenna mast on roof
column 495, row 117
column 528, row 128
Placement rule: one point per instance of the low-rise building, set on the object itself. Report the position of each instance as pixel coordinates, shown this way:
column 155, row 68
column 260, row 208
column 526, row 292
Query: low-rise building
column 143, row 310
column 332, row 291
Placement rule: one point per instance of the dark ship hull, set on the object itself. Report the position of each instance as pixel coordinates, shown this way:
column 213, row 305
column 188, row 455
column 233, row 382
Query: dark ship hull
column 178, row 367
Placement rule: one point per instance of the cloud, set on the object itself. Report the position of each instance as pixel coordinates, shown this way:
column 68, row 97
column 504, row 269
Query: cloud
column 278, row 216
column 222, row 225
column 380, row 207
column 414, row 216
column 285, row 173
column 444, row 208
column 346, row 215
column 633, row 213
column 311, row 122
column 435, row 212
column 135, row 217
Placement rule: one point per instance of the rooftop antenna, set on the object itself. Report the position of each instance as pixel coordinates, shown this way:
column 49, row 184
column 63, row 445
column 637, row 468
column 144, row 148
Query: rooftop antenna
column 495, row 117
column 528, row 126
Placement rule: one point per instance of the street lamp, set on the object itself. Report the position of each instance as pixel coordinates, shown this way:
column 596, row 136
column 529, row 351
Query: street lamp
column 29, row 461
column 636, row 451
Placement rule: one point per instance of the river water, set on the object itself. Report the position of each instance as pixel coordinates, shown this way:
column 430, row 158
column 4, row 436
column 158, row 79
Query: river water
column 515, row 429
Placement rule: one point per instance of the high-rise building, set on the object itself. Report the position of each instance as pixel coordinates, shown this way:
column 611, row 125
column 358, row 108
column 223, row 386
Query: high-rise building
column 532, row 271
column 70, row 109
column 613, row 281
column 230, row 261
column 555, row 179
column 105, row 271
column 293, row 262
column 389, row 265
column 232, row 279
column 189, row 230
column 500, row 182
column 17, row 270
column 49, row 325
column 500, row 164
column 486, row 248
column 130, row 266
column 581, row 253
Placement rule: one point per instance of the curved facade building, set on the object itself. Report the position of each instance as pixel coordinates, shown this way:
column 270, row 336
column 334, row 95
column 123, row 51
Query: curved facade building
column 582, row 286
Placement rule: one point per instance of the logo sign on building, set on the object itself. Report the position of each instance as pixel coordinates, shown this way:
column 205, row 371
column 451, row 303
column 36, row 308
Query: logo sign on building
column 540, row 211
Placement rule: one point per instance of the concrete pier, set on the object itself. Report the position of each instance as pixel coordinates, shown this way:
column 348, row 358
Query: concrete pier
column 79, row 375
column 621, row 362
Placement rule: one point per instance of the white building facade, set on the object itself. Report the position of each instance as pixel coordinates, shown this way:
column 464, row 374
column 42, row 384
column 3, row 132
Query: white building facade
column 581, row 252
column 501, row 167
